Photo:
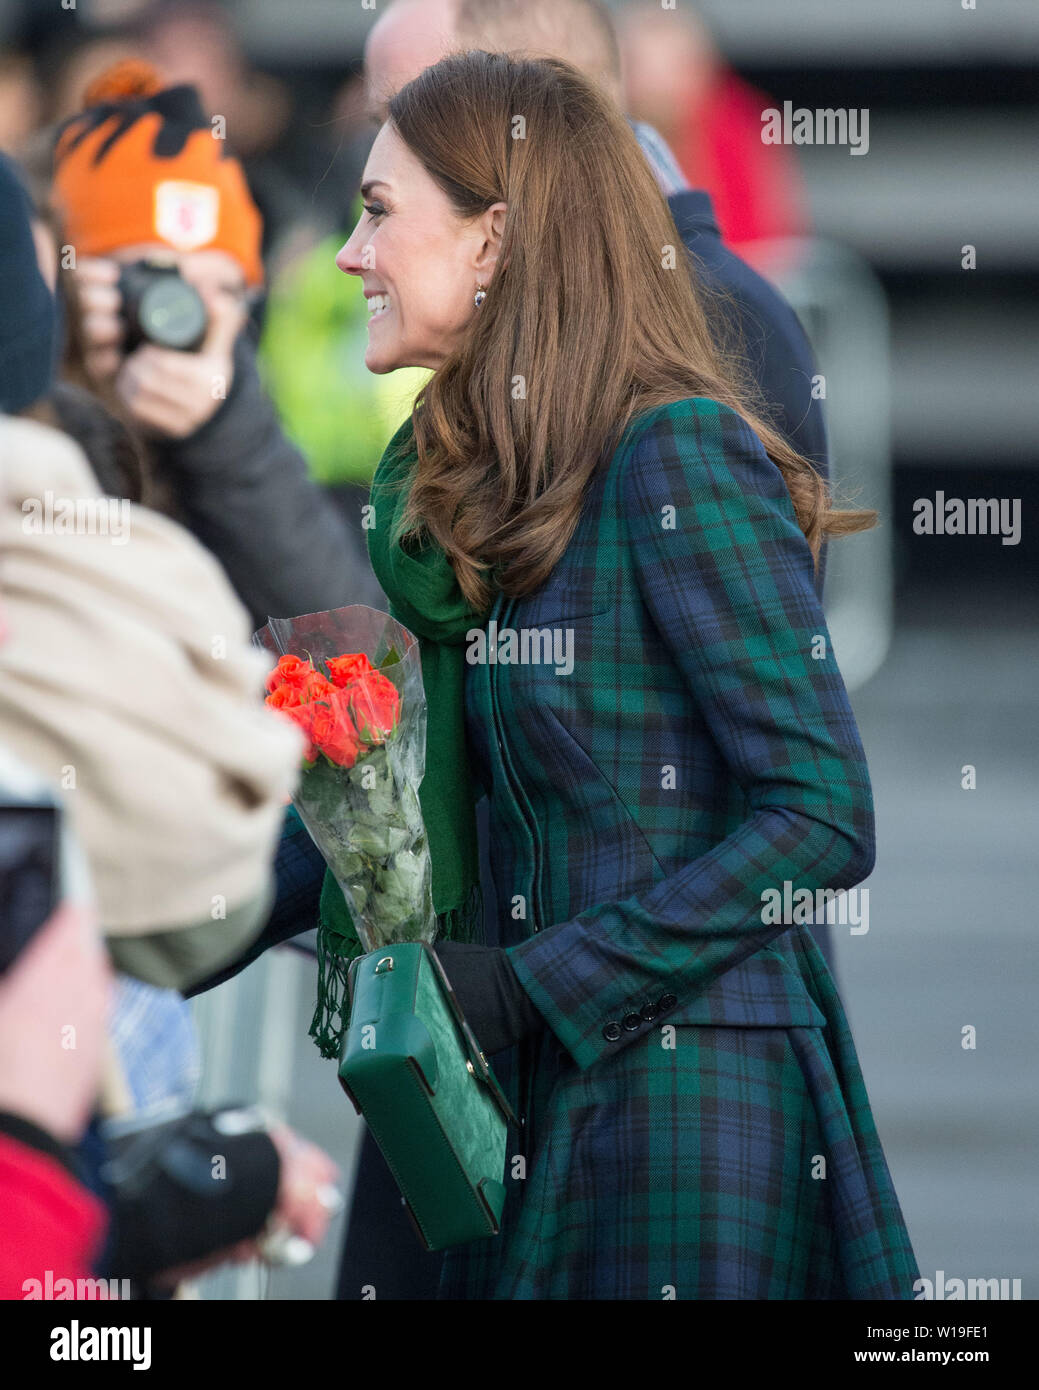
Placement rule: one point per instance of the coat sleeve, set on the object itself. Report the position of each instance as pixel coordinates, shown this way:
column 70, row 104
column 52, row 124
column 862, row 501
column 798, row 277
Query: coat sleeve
column 729, row 590
column 51, row 1222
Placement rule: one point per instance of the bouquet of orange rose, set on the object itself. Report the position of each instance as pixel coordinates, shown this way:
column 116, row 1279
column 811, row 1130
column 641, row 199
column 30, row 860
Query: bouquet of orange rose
column 351, row 679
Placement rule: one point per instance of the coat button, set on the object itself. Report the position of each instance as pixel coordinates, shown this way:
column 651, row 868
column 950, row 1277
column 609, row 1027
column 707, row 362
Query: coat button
column 612, row 1032
column 631, row 1022
column 667, row 1001
column 649, row 1012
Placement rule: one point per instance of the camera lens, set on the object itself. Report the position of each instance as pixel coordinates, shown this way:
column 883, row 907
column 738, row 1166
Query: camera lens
column 172, row 314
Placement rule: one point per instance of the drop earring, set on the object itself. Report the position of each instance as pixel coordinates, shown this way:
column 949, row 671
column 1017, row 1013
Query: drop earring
column 480, row 295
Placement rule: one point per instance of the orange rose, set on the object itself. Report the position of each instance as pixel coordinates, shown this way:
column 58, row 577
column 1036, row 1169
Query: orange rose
column 283, row 698
column 300, row 679
column 375, row 705
column 344, row 669
column 334, row 733
column 288, row 671
column 314, row 687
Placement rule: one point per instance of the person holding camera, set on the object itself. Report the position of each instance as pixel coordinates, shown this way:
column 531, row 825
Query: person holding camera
column 161, row 237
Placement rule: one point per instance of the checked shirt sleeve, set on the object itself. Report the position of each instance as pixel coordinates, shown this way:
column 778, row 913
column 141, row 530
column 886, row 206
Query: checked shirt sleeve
column 729, row 589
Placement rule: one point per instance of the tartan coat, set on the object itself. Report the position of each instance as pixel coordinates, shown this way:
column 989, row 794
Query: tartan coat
column 694, row 1122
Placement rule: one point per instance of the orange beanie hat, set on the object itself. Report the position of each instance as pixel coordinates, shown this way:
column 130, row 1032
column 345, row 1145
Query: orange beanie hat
column 141, row 164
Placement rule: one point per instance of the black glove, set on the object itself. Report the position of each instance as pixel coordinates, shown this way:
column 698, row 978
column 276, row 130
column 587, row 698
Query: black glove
column 496, row 1006
column 168, row 1204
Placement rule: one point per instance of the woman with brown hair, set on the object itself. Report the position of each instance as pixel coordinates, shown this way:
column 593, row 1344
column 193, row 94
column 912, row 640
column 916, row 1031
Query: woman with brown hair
column 584, row 479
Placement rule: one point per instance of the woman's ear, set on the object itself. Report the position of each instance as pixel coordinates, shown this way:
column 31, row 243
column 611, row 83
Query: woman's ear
column 492, row 227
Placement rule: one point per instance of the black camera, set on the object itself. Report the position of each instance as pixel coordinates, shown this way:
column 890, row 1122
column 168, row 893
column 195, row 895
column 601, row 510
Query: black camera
column 29, row 874
column 159, row 306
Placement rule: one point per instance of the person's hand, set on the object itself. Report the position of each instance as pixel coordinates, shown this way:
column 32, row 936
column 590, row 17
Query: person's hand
column 53, row 1009
column 96, row 284
column 303, row 1207
column 496, row 1006
column 173, row 394
column 306, row 1174
column 168, row 393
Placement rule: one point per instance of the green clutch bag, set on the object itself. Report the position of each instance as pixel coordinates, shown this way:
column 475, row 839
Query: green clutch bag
column 412, row 1067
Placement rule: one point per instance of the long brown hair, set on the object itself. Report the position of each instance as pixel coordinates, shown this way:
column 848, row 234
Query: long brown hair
column 588, row 320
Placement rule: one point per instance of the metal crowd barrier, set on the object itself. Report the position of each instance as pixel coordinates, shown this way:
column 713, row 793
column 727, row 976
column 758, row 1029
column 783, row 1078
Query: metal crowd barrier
column 249, row 1031
column 842, row 306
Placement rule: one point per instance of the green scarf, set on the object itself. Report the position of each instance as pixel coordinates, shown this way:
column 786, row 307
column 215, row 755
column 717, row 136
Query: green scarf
column 424, row 595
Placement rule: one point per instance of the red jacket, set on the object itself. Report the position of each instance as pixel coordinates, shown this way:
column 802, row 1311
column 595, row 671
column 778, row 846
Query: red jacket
column 756, row 188
column 49, row 1222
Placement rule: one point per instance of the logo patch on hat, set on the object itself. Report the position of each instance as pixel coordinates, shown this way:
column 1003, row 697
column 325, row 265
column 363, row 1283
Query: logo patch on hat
column 186, row 214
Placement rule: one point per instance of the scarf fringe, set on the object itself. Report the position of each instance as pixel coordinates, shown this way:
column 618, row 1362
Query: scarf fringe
column 336, row 951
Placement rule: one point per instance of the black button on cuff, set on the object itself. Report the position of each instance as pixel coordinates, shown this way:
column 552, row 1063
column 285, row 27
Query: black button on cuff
column 649, row 1012
column 667, row 1001
column 611, row 1032
column 631, row 1022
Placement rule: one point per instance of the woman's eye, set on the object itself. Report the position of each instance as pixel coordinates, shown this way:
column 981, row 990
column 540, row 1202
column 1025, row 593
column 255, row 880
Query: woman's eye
column 374, row 209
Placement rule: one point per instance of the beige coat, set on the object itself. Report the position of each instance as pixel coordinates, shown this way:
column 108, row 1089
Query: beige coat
column 128, row 680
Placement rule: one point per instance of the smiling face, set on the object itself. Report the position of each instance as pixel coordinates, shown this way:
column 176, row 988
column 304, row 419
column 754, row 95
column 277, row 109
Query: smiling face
column 419, row 261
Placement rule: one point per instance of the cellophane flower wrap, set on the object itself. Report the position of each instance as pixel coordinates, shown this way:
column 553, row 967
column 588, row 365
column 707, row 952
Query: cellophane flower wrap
column 351, row 679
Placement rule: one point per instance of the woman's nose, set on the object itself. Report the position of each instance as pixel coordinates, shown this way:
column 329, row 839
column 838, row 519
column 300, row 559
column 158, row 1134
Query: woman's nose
column 349, row 258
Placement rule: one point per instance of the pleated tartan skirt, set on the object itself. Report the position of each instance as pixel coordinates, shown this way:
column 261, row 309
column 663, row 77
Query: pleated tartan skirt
column 741, row 1163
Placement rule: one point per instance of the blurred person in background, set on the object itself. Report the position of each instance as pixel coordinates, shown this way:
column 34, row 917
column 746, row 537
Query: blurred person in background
column 62, row 975
column 75, row 68
column 173, row 777
column 195, row 43
column 52, row 1221
column 21, row 101
column 676, row 80
column 57, row 980
column 297, row 160
column 333, row 419
column 138, row 174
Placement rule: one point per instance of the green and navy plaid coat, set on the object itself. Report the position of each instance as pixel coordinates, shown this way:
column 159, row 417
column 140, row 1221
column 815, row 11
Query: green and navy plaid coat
column 695, row 1120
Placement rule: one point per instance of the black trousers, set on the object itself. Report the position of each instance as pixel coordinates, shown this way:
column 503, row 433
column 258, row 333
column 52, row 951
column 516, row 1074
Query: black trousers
column 382, row 1253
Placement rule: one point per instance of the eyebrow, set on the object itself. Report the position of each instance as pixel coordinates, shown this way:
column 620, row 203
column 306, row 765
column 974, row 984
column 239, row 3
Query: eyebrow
column 366, row 188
